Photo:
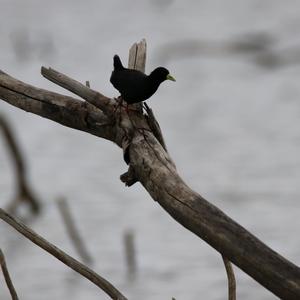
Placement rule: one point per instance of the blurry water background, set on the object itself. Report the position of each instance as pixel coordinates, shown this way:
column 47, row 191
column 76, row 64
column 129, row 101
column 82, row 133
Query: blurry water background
column 231, row 122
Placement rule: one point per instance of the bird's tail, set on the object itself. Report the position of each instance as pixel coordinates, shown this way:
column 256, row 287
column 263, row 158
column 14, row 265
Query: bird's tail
column 117, row 63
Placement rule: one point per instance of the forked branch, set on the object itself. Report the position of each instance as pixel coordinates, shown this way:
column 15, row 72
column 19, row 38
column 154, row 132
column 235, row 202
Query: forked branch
column 152, row 166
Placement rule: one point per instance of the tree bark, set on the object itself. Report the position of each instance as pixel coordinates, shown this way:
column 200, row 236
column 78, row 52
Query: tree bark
column 151, row 165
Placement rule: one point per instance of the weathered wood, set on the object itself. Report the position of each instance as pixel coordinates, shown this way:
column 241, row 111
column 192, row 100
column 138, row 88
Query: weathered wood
column 137, row 56
column 152, row 166
column 164, row 184
column 65, row 110
column 93, row 97
column 71, row 262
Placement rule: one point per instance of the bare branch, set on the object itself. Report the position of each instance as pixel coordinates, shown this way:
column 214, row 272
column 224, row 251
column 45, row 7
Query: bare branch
column 231, row 279
column 65, row 110
column 7, row 278
column 93, row 97
column 153, row 167
column 72, row 230
column 24, row 191
column 77, row 266
column 13, row 146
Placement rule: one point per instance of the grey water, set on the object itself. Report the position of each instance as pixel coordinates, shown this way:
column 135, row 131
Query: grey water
column 231, row 123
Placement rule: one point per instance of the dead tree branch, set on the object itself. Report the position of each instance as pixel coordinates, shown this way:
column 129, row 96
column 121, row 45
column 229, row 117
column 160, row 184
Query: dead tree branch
column 65, row 110
column 73, row 233
column 100, row 101
column 152, row 166
column 231, row 279
column 71, row 262
column 24, row 192
column 7, row 278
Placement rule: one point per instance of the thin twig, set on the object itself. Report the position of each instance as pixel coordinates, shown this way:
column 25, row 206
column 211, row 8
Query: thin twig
column 7, row 278
column 231, row 279
column 78, row 243
column 71, row 262
column 25, row 193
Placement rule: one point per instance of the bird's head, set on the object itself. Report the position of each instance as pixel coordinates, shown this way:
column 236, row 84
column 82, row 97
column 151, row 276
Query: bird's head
column 161, row 74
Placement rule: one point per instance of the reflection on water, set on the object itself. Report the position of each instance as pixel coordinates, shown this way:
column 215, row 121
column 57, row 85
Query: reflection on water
column 231, row 126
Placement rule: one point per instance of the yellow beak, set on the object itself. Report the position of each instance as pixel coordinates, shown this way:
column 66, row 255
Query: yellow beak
column 169, row 77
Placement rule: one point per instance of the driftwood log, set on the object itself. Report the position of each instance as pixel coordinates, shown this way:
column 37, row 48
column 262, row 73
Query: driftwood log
column 139, row 136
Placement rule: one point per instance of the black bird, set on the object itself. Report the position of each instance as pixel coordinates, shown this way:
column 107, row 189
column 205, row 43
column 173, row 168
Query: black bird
column 135, row 86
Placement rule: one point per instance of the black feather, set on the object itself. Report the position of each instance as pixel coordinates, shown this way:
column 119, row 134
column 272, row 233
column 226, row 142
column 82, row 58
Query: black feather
column 135, row 86
column 117, row 63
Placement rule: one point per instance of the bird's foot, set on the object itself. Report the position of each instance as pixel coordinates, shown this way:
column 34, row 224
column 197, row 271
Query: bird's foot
column 119, row 104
